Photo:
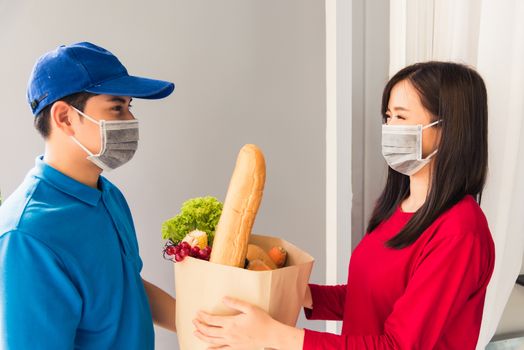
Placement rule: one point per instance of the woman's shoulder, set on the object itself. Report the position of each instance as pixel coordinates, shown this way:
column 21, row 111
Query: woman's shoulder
column 465, row 216
column 463, row 226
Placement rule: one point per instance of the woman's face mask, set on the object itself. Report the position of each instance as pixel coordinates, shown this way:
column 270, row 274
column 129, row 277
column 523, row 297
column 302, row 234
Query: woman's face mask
column 402, row 147
column 119, row 140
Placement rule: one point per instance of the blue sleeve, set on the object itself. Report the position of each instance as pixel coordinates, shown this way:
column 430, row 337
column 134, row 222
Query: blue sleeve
column 39, row 304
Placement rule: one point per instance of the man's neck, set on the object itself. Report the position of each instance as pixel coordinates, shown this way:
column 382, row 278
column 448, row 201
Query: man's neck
column 79, row 169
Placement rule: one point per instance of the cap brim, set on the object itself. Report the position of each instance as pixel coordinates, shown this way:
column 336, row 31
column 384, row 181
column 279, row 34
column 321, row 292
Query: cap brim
column 134, row 87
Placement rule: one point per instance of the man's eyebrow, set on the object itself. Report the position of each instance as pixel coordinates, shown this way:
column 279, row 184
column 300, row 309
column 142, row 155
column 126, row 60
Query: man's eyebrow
column 119, row 99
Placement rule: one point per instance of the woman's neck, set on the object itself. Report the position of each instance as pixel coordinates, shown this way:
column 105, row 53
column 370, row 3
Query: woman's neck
column 418, row 189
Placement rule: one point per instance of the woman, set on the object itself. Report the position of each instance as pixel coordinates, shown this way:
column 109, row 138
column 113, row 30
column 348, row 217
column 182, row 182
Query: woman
column 418, row 278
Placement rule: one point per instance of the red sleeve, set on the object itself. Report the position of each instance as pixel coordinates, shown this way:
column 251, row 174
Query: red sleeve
column 448, row 272
column 328, row 302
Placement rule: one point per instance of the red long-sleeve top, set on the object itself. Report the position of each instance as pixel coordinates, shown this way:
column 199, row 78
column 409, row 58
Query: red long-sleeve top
column 429, row 295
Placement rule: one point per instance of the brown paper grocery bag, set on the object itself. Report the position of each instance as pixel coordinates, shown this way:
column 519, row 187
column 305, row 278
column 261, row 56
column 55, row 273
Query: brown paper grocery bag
column 201, row 285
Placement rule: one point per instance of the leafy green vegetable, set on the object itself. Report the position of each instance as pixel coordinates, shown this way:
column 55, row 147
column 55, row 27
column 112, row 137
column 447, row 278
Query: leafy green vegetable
column 200, row 213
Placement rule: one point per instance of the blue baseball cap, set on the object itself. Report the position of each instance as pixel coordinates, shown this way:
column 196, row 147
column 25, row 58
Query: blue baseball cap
column 85, row 67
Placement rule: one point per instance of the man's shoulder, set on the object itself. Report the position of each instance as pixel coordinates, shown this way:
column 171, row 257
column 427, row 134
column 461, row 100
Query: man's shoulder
column 18, row 244
column 14, row 207
column 108, row 186
column 35, row 206
column 115, row 192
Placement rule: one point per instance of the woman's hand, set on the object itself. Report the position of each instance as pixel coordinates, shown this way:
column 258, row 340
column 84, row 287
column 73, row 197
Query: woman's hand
column 252, row 327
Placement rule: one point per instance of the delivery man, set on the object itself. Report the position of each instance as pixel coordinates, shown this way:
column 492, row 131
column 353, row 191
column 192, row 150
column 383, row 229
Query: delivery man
column 69, row 260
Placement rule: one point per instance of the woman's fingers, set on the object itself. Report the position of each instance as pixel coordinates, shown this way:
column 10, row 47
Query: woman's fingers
column 238, row 305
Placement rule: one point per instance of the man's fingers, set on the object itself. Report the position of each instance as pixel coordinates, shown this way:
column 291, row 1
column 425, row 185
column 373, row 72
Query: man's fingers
column 208, row 330
column 212, row 320
column 207, row 339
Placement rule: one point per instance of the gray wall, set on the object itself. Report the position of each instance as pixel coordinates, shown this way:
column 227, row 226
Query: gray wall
column 512, row 322
column 245, row 72
column 370, row 75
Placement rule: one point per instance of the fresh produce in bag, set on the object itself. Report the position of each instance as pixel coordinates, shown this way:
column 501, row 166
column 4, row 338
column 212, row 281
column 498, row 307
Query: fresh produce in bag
column 215, row 254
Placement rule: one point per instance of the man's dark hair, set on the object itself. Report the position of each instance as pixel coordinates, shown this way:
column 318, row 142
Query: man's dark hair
column 43, row 119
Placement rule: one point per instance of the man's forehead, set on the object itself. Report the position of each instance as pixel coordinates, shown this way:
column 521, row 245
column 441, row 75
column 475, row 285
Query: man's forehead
column 118, row 99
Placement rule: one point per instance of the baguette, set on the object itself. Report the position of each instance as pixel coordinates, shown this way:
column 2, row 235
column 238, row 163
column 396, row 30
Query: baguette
column 240, row 208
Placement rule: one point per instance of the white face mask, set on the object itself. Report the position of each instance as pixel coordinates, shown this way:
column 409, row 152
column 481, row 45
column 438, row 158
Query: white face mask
column 119, row 140
column 402, row 147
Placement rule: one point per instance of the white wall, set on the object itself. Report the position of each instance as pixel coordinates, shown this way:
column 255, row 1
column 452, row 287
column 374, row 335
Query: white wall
column 338, row 144
column 245, row 72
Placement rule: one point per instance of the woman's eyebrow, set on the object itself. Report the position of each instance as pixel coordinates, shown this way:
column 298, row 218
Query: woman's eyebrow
column 398, row 109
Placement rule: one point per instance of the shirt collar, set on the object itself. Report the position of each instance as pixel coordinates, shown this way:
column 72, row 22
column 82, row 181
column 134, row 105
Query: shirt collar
column 66, row 184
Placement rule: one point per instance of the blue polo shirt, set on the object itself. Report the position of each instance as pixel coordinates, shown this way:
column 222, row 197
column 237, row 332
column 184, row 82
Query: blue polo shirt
column 70, row 268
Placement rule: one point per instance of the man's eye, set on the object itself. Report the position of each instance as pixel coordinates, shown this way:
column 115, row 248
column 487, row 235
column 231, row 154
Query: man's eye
column 120, row 108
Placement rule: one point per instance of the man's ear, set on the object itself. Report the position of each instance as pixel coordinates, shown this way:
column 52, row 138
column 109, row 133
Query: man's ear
column 60, row 117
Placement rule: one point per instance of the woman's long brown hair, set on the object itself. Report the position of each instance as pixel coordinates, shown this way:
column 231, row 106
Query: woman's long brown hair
column 455, row 94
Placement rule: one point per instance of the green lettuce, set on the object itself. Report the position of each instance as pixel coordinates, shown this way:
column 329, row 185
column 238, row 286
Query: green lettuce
column 200, row 214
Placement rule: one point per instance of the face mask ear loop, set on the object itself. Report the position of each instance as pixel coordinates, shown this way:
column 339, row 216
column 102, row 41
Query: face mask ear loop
column 101, row 133
column 430, row 125
column 82, row 146
column 86, row 116
column 429, row 156
column 425, row 127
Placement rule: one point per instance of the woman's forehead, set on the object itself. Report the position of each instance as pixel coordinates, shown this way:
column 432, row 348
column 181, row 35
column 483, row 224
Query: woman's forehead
column 404, row 96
